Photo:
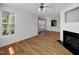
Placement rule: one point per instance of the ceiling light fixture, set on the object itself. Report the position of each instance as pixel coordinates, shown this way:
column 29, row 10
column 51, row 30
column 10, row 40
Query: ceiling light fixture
column 42, row 7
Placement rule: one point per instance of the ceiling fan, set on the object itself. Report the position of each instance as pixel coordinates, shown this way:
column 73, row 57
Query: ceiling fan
column 43, row 7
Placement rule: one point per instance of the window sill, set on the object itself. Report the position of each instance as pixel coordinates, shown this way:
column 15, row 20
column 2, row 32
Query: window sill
column 7, row 36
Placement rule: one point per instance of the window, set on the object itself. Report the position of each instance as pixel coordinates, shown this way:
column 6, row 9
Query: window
column 8, row 23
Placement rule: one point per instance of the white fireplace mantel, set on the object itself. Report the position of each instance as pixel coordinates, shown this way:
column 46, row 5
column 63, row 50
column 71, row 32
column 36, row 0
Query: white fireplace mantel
column 70, row 26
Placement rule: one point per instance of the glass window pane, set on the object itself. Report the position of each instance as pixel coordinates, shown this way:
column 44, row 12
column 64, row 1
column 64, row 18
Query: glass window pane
column 4, row 32
column 8, row 26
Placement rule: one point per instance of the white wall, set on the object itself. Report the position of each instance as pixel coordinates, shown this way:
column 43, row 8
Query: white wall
column 26, row 26
column 48, row 24
column 73, row 26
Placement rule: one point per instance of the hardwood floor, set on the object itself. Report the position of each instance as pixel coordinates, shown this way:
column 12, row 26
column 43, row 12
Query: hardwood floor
column 43, row 44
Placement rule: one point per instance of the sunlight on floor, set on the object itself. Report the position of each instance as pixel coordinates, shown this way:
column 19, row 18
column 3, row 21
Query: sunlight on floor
column 11, row 50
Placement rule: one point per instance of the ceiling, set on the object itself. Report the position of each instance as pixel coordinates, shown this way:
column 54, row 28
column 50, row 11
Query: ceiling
column 53, row 9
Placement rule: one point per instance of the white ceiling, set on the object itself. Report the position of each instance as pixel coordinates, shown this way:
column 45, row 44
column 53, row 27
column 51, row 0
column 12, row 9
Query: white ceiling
column 52, row 10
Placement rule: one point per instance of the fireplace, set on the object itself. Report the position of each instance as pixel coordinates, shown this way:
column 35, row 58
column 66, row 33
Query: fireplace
column 71, row 41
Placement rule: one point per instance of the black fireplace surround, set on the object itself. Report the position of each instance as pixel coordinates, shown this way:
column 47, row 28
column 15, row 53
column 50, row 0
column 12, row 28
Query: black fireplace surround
column 71, row 41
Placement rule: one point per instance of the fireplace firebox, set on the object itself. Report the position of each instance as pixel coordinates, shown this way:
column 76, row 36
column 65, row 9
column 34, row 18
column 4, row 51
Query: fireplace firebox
column 71, row 41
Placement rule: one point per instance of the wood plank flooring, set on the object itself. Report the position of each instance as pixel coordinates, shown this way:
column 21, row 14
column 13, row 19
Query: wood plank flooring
column 43, row 44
